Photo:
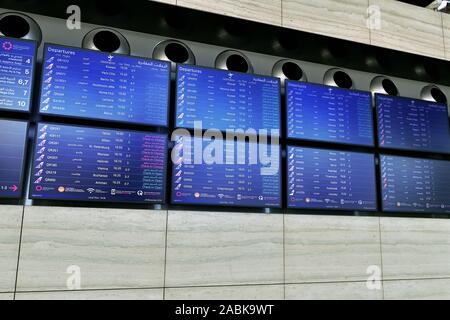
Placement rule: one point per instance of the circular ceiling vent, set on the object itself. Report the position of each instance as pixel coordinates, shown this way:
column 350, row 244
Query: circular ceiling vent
column 18, row 25
column 338, row 78
column 433, row 93
column 174, row 51
column 234, row 61
column 288, row 70
column 383, row 85
column 106, row 40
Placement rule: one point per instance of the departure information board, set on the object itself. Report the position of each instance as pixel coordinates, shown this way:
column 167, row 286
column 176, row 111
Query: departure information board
column 91, row 164
column 17, row 59
column 412, row 124
column 92, row 84
column 329, row 114
column 13, row 137
column 327, row 179
column 415, row 185
column 236, row 174
column 224, row 100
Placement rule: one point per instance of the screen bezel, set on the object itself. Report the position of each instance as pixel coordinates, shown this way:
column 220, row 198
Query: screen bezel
column 280, row 114
column 22, row 186
column 372, row 145
column 296, row 208
column 383, row 202
column 59, row 115
column 33, row 76
column 408, row 148
column 164, row 189
column 194, row 204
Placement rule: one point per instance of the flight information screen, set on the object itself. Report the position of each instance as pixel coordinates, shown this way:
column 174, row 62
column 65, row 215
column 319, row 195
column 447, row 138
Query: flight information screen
column 227, row 100
column 412, row 124
column 329, row 114
column 92, row 84
column 17, row 59
column 235, row 173
column 326, row 179
column 91, row 164
column 13, row 137
column 415, row 185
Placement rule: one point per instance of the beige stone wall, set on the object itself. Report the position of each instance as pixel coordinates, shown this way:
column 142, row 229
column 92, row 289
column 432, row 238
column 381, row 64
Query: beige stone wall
column 140, row 254
column 384, row 23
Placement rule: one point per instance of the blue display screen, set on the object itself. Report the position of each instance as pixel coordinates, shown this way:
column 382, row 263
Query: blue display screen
column 236, row 175
column 92, row 84
column 327, row 179
column 415, row 185
column 91, row 164
column 412, row 124
column 329, row 114
column 13, row 137
column 17, row 58
column 227, row 100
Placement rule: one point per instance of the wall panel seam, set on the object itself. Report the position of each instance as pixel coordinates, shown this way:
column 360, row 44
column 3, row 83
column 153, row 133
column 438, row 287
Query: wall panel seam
column 443, row 36
column 381, row 256
column 165, row 255
column 18, row 251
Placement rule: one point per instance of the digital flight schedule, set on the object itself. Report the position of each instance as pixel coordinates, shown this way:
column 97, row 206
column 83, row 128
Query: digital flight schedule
column 327, row 179
column 17, row 59
column 329, row 114
column 234, row 176
column 411, row 124
column 415, row 185
column 13, row 137
column 93, row 164
column 226, row 100
column 92, row 84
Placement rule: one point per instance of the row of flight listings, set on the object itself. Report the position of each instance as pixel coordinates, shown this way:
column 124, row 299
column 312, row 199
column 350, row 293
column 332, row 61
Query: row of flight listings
column 95, row 164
